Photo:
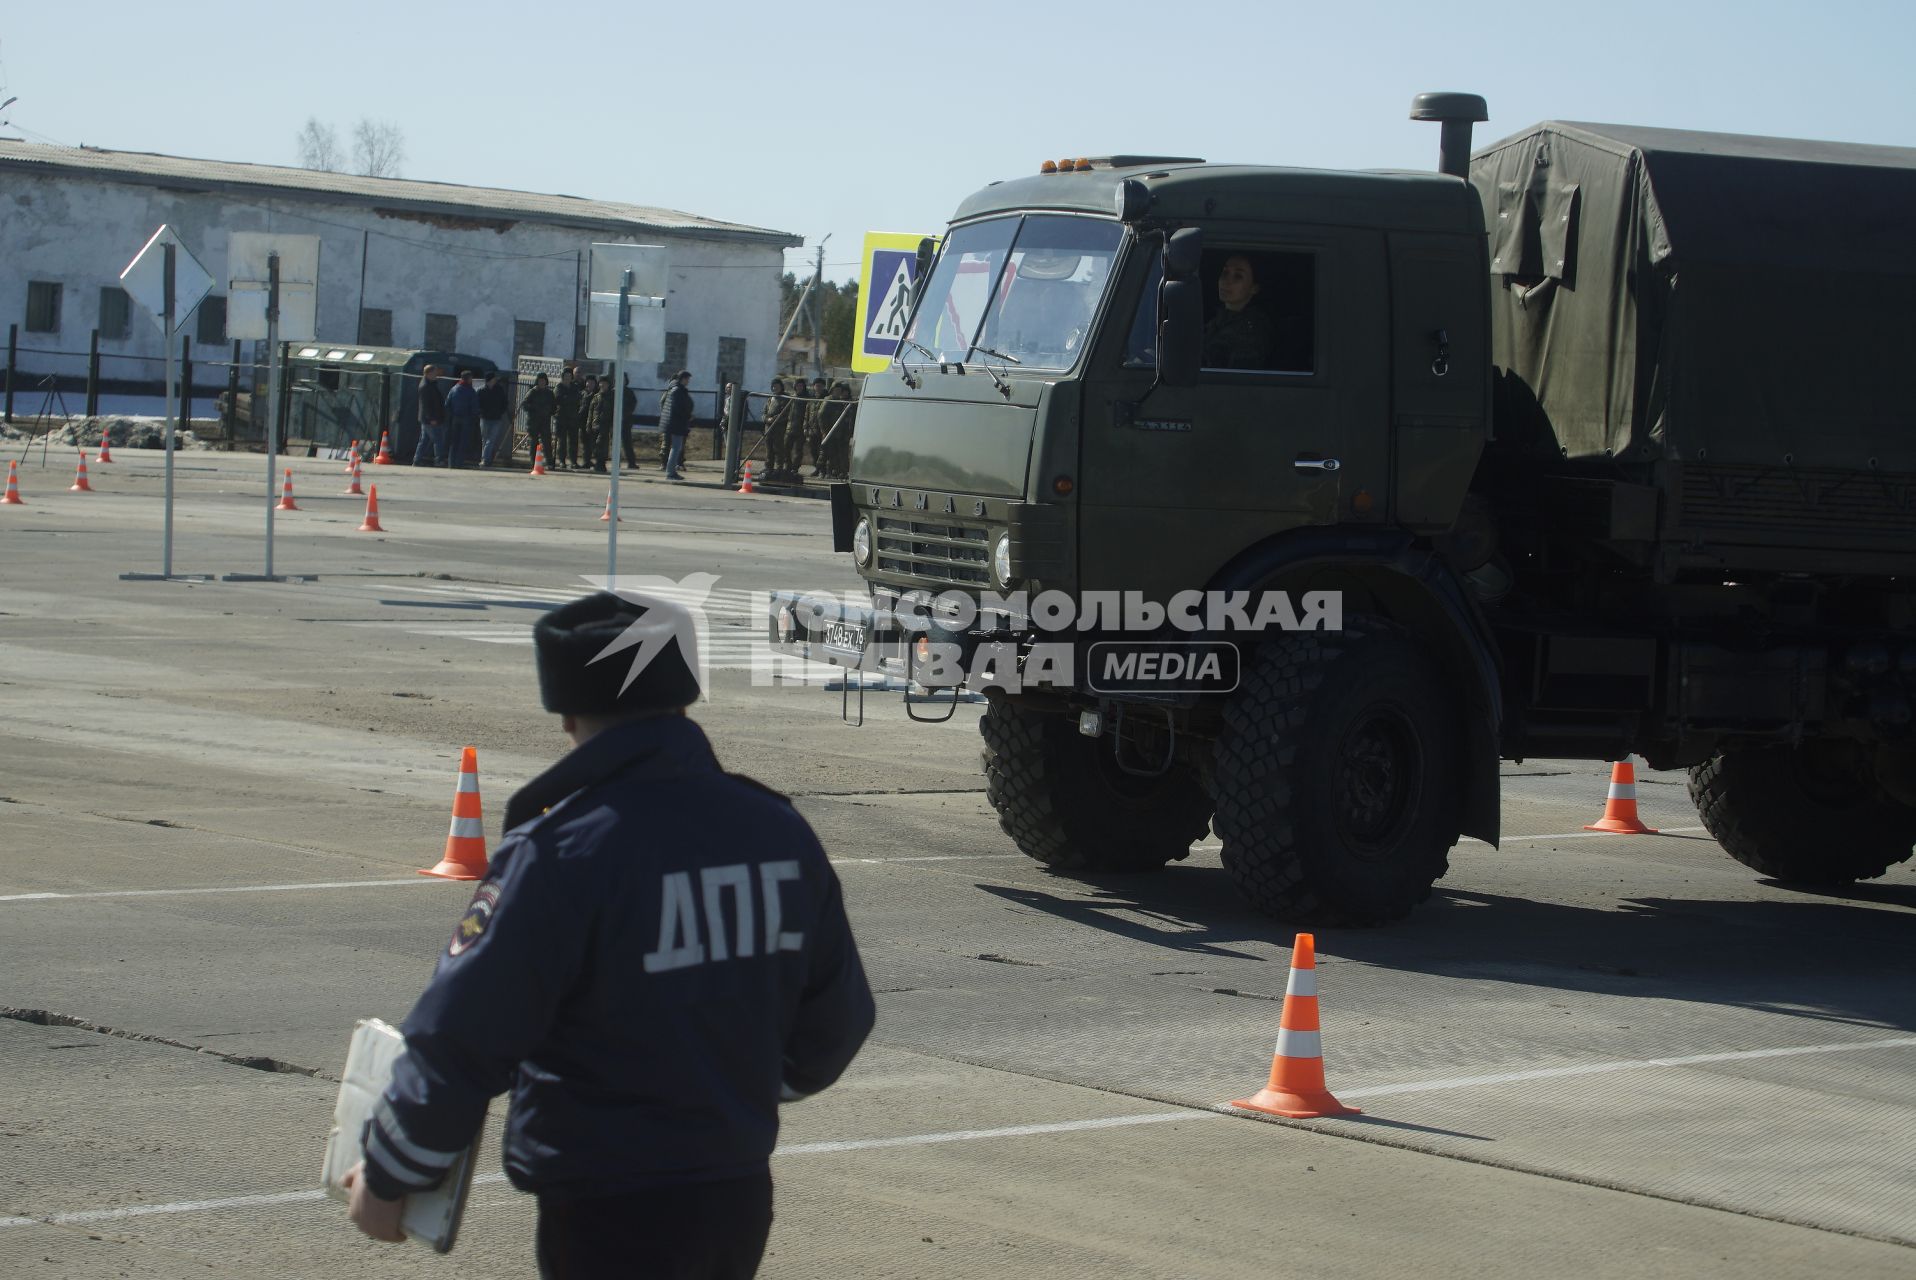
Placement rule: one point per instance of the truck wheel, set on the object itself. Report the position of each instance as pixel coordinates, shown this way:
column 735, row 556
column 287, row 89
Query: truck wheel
column 1805, row 815
column 1062, row 798
column 1337, row 776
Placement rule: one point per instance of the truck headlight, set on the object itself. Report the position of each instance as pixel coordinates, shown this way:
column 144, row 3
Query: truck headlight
column 1001, row 560
column 862, row 543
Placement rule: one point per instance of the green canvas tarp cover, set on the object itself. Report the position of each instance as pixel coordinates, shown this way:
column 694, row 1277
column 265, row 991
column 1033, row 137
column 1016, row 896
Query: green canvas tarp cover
column 1659, row 294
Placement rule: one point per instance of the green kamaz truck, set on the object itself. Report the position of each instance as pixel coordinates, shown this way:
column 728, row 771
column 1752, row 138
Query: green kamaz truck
column 1598, row 441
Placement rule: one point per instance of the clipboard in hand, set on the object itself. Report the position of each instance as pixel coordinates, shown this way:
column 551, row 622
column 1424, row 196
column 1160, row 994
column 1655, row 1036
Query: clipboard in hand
column 430, row 1217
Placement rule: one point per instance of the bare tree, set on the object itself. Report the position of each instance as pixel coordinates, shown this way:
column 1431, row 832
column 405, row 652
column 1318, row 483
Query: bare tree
column 318, row 146
column 379, row 148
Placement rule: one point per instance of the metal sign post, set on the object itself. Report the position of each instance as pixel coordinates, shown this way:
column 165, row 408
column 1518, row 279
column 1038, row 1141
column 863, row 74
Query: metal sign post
column 274, row 295
column 625, row 322
column 169, row 282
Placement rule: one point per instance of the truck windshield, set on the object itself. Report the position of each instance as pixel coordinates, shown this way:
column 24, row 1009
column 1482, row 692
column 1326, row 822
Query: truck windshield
column 1024, row 287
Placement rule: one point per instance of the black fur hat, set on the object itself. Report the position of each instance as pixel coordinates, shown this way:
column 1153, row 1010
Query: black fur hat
column 588, row 649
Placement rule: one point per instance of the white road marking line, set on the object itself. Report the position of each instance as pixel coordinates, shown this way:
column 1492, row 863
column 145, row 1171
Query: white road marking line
column 231, row 888
column 84, row 1216
column 387, row 884
column 1628, row 1064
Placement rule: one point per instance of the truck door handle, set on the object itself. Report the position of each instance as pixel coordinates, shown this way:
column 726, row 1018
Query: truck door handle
column 1303, row 463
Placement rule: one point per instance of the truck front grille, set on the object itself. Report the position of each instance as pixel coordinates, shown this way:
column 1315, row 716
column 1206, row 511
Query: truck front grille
column 941, row 550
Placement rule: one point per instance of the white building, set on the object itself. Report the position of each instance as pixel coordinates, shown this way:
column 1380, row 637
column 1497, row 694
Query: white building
column 429, row 265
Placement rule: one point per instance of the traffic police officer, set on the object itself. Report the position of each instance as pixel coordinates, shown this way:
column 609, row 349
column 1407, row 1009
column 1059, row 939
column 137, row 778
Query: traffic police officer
column 656, row 959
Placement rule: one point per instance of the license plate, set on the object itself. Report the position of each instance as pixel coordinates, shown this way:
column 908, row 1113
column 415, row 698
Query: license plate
column 848, row 636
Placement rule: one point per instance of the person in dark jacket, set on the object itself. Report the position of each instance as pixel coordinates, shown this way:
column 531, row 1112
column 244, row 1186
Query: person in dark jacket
column 462, row 418
column 495, row 444
column 569, row 395
column 675, row 420
column 432, row 419
column 538, row 406
column 657, row 958
column 1240, row 335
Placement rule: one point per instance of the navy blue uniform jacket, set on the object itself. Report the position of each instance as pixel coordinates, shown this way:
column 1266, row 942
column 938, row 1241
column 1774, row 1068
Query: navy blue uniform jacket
column 651, row 965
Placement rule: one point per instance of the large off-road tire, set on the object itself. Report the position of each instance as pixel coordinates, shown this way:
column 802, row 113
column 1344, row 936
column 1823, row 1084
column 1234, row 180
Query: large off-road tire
column 1062, row 798
column 1809, row 814
column 1337, row 776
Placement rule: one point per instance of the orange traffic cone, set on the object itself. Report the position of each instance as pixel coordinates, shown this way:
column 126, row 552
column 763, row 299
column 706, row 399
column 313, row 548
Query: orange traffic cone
column 1620, row 809
column 79, row 484
column 1296, row 1087
column 371, row 523
column 746, row 485
column 465, row 857
column 353, row 490
column 106, row 446
column 286, row 502
column 607, row 513
column 12, row 497
column 385, row 455
column 538, row 461
column 352, row 457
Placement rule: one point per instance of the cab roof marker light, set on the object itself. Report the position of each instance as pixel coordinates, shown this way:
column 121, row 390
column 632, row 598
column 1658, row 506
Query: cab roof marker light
column 1049, row 166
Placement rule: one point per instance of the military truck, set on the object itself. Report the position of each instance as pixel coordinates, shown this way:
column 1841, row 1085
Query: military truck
column 1603, row 437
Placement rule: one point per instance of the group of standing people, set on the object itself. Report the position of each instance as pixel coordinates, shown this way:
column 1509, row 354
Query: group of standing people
column 813, row 417
column 580, row 410
column 453, row 421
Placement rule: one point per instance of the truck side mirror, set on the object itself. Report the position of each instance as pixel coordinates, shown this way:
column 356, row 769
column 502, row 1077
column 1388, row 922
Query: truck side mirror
column 1183, row 252
column 1180, row 330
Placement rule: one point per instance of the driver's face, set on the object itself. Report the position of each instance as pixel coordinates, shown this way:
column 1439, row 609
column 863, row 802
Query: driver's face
column 1236, row 283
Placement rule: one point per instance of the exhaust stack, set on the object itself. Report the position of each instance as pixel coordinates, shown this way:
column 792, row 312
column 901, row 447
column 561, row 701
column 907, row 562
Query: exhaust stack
column 1456, row 112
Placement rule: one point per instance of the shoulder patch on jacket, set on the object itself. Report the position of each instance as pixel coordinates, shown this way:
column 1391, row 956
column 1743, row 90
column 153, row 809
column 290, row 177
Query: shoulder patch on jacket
column 472, row 925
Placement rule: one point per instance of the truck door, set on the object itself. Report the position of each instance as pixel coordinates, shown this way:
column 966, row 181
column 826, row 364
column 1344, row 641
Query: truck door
column 1288, row 425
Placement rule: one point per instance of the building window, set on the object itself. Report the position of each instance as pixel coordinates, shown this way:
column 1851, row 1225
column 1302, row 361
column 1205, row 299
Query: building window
column 375, row 327
column 115, row 312
column 731, row 362
column 442, row 333
column 528, row 338
column 676, row 346
column 212, row 325
column 43, row 306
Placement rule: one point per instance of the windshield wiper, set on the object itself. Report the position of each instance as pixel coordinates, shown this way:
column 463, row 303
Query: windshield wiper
column 1004, row 387
column 922, row 350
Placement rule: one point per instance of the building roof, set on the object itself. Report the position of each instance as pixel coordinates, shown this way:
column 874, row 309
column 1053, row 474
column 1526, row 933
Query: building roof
column 412, row 196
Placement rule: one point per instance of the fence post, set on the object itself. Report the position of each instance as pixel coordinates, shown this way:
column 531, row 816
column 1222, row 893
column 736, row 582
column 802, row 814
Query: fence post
column 385, row 402
column 734, row 433
column 93, row 375
column 231, row 415
column 13, row 346
column 186, row 382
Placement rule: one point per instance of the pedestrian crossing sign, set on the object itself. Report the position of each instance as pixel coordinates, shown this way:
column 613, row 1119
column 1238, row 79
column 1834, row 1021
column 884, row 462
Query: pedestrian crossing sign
column 889, row 265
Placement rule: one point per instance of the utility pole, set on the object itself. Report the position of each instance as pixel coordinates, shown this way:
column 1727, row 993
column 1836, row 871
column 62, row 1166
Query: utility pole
column 818, row 313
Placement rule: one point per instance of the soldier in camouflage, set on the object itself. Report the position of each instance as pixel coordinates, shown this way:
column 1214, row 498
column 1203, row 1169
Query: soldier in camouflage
column 777, row 408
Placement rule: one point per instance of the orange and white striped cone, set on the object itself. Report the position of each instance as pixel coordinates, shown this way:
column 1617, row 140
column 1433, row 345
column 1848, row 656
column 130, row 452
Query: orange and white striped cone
column 371, row 522
column 465, row 857
column 352, row 457
column 1620, row 807
column 353, row 490
column 746, row 484
column 1296, row 1088
column 607, row 513
column 384, row 457
column 286, row 502
column 106, row 446
column 79, row 484
column 538, row 461
column 12, row 496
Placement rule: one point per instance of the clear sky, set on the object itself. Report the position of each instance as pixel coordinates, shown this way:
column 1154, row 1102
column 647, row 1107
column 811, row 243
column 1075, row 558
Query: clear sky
column 839, row 118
